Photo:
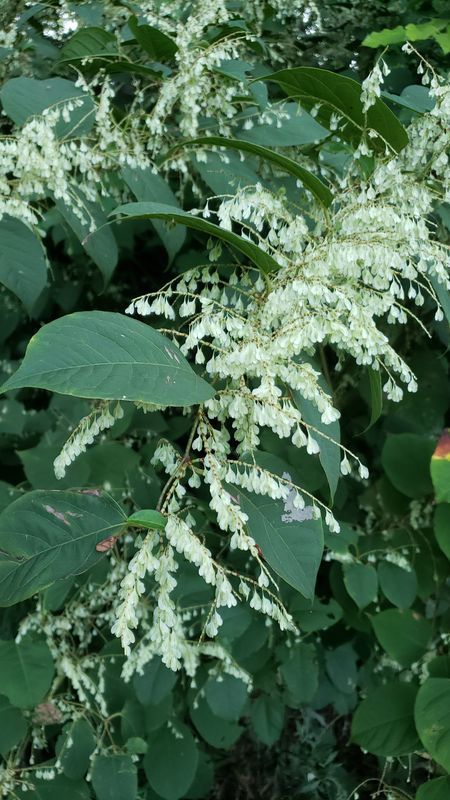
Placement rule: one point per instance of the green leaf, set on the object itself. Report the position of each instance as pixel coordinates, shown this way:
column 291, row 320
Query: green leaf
column 440, row 468
column 376, row 396
column 404, row 635
column 300, row 672
column 155, row 683
column 436, row 789
column 385, row 37
column 341, row 667
column 157, row 44
column 361, row 582
column 432, row 715
column 329, row 454
column 87, row 43
column 204, row 778
column 316, row 616
column 111, row 357
column 148, row 518
column 74, row 748
column 336, row 94
column 49, row 535
column 149, row 186
column 267, row 718
column 443, row 295
column 13, row 725
column 226, row 696
column 27, row 97
column 23, row 264
column 59, row 787
column 26, row 671
column 297, row 128
column 215, row 731
column 100, row 244
column 398, row 585
column 443, row 39
column 424, row 30
column 258, row 257
column 310, row 181
column 292, row 547
column 383, row 723
column 114, row 777
column 171, row 762
column 406, row 460
column 442, row 527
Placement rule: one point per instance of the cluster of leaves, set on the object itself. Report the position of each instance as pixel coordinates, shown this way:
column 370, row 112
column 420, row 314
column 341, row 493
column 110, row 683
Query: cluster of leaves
column 372, row 603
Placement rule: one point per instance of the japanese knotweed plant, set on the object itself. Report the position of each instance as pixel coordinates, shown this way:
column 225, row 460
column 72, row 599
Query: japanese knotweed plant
column 326, row 268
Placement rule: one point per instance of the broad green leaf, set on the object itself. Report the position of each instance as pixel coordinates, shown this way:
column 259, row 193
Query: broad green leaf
column 148, row 186
column 215, row 731
column 385, row 37
column 204, row 778
column 442, row 527
column 26, row 671
column 226, row 177
column 258, row 257
column 404, row 635
column 436, row 789
column 440, row 468
column 406, row 460
column 226, row 696
column 300, row 672
column 432, row 715
column 56, row 789
column 88, row 43
column 336, row 94
column 298, row 128
column 23, row 264
column 398, row 585
column 13, row 725
column 49, row 535
column 443, row 39
column 155, row 683
column 157, row 44
column 110, row 357
column 74, row 748
column 148, row 518
column 330, row 453
column 439, row 667
column 443, row 295
column 291, row 543
column 310, row 181
column 383, row 723
column 415, row 98
column 13, row 417
column 424, row 30
column 100, row 244
column 341, row 666
column 171, row 762
column 114, row 777
column 27, row 97
column 267, row 718
column 315, row 616
column 361, row 583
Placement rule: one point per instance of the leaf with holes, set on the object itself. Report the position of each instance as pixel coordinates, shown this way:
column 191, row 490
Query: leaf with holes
column 49, row 535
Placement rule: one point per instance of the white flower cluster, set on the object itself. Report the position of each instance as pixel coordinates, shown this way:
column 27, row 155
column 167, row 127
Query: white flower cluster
column 100, row 419
column 164, row 633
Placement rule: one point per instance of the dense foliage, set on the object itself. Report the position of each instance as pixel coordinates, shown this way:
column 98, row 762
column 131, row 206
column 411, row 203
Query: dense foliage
column 225, row 472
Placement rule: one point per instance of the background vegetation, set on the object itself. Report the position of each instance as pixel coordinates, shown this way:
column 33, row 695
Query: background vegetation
column 101, row 102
